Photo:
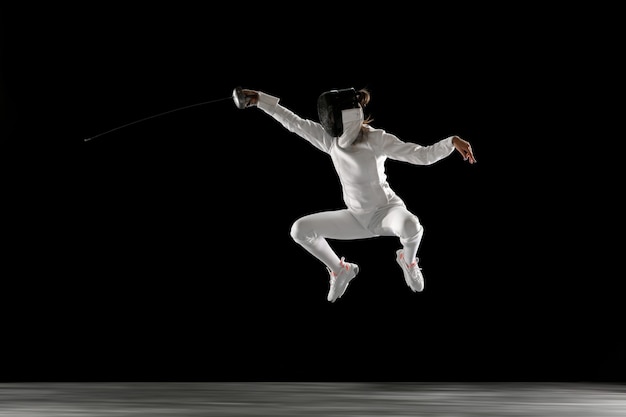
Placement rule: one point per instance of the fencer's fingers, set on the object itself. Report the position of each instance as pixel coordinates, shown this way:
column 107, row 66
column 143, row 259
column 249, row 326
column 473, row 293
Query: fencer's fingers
column 468, row 154
column 465, row 149
column 253, row 97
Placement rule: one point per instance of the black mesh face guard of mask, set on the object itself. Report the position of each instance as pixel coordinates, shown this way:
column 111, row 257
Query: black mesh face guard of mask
column 329, row 107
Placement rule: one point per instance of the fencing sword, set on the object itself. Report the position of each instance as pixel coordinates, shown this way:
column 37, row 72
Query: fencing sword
column 240, row 99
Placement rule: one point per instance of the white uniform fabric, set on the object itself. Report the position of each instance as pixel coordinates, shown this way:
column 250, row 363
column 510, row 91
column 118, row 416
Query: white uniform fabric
column 372, row 207
column 352, row 120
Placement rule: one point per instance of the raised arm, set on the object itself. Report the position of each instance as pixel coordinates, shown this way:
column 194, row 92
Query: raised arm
column 310, row 130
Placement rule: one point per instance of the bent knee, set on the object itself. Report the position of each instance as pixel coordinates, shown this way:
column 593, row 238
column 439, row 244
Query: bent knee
column 412, row 227
column 301, row 232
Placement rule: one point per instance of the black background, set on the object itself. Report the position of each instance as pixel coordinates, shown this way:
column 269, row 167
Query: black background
column 161, row 250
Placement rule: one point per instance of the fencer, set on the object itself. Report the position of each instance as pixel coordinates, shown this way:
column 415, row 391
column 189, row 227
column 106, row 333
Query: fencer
column 359, row 153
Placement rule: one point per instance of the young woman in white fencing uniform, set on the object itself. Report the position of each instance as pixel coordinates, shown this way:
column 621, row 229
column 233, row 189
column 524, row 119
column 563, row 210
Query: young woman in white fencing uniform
column 358, row 152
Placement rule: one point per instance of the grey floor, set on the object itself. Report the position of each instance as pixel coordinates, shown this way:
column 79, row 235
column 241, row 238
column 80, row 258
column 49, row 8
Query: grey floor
column 182, row 399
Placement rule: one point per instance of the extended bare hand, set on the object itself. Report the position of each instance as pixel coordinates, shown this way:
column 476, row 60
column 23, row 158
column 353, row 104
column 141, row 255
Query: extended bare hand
column 252, row 95
column 464, row 148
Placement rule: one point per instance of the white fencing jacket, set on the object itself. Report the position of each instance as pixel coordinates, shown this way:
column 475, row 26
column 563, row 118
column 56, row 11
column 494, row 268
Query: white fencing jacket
column 360, row 166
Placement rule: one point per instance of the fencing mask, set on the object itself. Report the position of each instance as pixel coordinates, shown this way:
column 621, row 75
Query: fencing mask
column 340, row 114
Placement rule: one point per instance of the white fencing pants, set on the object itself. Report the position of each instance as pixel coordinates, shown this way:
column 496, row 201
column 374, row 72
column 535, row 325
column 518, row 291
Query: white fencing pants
column 313, row 230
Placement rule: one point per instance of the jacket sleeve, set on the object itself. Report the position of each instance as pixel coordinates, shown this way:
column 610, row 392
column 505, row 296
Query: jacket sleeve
column 413, row 153
column 312, row 131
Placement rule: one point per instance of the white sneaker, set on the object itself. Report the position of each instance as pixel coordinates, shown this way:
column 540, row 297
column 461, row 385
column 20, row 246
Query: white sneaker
column 412, row 272
column 339, row 282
